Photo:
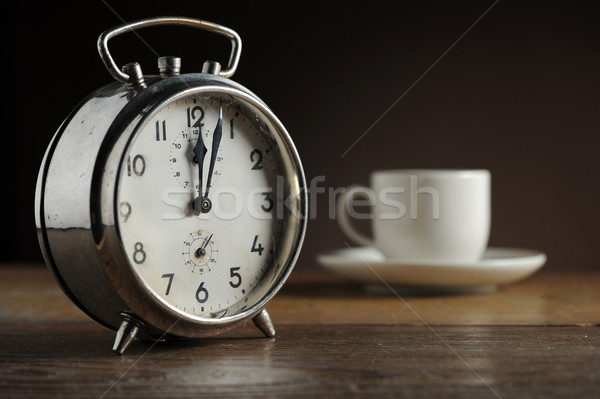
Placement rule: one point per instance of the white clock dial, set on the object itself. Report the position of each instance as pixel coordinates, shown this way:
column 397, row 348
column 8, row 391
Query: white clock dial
column 203, row 262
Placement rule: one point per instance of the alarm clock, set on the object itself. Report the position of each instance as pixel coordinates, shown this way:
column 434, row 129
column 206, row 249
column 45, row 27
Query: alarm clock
column 171, row 205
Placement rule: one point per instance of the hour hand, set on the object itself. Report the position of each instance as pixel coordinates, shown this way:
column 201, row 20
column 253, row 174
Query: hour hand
column 199, row 154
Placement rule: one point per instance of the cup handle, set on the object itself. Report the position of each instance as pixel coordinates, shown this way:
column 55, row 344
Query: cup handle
column 343, row 218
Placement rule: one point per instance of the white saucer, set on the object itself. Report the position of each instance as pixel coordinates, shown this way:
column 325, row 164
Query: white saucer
column 498, row 266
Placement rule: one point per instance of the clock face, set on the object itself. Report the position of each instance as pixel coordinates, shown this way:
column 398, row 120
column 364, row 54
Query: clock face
column 201, row 216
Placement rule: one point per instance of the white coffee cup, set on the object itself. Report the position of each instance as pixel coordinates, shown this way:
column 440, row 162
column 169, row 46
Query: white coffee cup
column 422, row 214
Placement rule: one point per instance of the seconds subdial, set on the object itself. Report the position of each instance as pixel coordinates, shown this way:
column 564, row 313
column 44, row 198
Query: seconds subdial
column 200, row 251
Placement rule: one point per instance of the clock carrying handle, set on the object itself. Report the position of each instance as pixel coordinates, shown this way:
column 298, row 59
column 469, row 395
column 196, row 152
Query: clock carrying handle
column 236, row 41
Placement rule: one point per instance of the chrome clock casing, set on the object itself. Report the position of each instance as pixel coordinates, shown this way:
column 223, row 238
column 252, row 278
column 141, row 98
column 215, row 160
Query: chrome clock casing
column 76, row 207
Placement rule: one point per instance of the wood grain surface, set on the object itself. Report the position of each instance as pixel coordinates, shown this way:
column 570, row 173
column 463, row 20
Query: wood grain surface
column 536, row 338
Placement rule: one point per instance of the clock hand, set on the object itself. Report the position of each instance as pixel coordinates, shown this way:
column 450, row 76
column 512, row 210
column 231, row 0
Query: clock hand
column 202, row 251
column 215, row 147
column 199, row 152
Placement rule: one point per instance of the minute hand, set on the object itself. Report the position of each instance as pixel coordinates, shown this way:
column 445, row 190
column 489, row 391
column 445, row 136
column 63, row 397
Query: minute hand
column 215, row 148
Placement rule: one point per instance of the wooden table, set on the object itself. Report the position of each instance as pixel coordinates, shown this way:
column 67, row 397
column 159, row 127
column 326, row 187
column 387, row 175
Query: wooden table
column 536, row 338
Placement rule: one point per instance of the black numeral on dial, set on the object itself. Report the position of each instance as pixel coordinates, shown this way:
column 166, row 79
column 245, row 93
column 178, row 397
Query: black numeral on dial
column 162, row 137
column 195, row 116
column 259, row 157
column 257, row 247
column 236, row 278
column 139, row 256
column 268, row 206
column 125, row 210
column 137, row 165
column 170, row 277
column 201, row 293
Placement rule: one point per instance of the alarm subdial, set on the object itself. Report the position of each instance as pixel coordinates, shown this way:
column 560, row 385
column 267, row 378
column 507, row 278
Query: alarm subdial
column 200, row 251
column 183, row 163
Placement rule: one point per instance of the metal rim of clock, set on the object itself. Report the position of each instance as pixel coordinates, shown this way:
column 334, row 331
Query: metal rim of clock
column 236, row 41
column 162, row 315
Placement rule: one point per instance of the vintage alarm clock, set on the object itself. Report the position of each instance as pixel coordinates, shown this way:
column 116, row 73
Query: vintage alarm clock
column 171, row 205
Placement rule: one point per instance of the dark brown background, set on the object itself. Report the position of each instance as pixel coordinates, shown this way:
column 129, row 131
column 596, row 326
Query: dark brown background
column 518, row 95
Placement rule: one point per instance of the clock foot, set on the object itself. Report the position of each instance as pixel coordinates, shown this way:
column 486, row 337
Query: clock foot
column 263, row 322
column 130, row 327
